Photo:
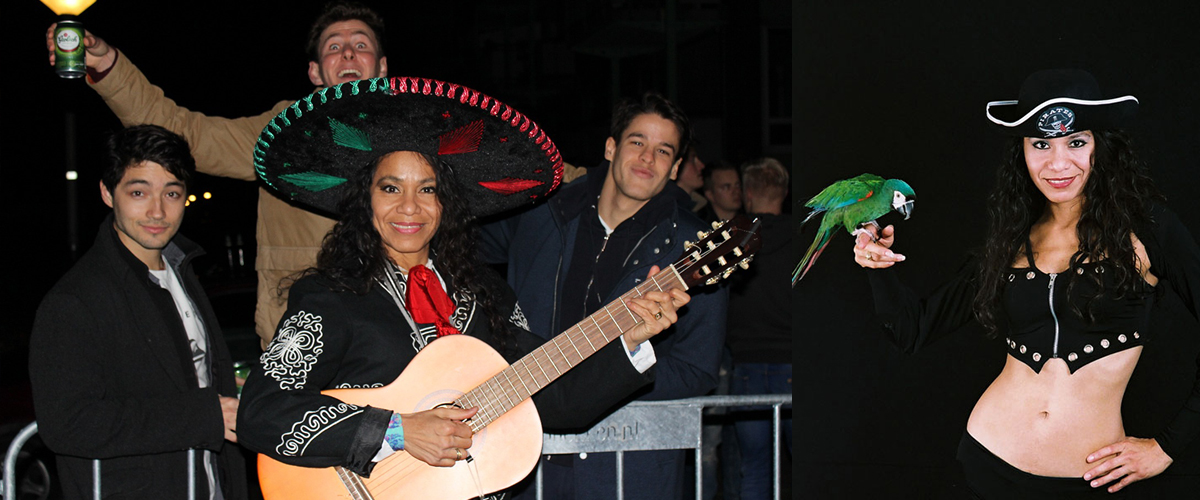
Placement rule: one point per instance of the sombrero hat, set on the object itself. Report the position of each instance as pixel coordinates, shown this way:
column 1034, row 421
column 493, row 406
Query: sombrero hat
column 500, row 156
column 1058, row 102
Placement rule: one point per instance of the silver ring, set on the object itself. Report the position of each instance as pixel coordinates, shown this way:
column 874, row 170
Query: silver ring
column 870, row 256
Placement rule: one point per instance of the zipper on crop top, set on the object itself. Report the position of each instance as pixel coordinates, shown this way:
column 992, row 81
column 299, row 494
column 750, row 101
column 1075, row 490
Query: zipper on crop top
column 1054, row 314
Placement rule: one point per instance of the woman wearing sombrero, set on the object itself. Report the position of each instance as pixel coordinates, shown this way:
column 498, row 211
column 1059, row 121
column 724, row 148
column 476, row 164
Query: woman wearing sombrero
column 1077, row 250
column 407, row 164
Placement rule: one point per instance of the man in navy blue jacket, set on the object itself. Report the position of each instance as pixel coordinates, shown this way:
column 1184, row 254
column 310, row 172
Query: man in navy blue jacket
column 596, row 239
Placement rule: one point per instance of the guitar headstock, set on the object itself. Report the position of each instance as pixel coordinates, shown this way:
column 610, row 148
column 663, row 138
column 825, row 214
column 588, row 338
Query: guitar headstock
column 730, row 244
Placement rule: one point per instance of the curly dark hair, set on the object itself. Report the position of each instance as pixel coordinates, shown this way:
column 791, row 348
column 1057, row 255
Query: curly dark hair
column 1117, row 199
column 352, row 255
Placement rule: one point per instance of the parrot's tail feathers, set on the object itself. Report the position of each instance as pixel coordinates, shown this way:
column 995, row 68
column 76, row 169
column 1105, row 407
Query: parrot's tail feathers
column 810, row 257
column 810, row 216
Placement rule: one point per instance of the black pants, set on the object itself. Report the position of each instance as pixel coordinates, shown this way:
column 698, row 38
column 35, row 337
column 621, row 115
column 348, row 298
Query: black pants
column 991, row 478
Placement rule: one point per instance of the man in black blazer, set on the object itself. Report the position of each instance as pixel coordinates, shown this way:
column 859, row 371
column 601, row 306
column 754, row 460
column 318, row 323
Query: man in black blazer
column 127, row 361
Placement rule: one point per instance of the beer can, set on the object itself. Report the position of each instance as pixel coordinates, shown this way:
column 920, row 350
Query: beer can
column 69, row 52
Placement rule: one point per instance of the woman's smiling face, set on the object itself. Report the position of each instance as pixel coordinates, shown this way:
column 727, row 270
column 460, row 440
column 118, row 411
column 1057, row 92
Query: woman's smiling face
column 1060, row 167
column 406, row 207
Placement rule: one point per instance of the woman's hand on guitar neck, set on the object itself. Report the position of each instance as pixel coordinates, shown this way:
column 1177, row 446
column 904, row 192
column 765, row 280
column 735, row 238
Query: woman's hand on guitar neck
column 438, row 437
column 657, row 310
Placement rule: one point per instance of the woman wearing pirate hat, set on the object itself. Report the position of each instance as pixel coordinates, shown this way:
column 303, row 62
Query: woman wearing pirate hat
column 406, row 165
column 1077, row 250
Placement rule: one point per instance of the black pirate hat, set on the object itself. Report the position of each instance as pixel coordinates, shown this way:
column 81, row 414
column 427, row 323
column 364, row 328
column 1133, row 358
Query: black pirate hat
column 1058, row 102
column 501, row 157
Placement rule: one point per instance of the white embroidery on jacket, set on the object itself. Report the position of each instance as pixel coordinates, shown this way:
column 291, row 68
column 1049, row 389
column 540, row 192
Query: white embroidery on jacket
column 294, row 351
column 346, row 385
column 518, row 317
column 311, row 425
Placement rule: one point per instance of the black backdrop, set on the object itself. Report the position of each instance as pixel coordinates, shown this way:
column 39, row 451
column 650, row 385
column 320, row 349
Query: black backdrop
column 898, row 89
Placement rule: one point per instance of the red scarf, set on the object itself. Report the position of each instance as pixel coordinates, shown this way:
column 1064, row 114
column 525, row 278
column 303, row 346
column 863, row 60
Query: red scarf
column 428, row 302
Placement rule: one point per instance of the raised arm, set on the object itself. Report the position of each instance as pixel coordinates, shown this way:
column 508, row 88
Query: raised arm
column 222, row 146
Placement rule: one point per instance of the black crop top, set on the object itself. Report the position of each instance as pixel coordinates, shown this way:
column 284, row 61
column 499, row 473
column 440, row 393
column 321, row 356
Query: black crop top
column 1043, row 324
column 913, row 322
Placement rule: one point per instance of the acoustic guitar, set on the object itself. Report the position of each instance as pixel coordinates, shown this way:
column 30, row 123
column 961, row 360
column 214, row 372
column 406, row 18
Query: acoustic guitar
column 464, row 372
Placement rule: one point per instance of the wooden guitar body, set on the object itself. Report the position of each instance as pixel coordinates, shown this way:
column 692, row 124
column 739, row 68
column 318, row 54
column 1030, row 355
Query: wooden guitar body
column 502, row 453
column 464, row 371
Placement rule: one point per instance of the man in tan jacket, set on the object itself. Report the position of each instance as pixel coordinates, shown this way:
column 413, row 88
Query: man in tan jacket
column 345, row 43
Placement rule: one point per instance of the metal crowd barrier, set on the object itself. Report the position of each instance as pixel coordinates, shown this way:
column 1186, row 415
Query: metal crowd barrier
column 660, row 425
column 639, row 426
column 9, row 489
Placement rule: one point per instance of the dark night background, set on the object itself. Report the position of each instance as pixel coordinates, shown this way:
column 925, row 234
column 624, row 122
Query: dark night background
column 898, row 89
column 561, row 63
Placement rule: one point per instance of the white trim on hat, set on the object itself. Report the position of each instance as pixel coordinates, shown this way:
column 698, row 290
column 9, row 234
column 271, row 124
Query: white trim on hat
column 1057, row 100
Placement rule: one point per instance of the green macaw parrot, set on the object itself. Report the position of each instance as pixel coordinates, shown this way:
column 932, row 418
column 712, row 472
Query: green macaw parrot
column 853, row 203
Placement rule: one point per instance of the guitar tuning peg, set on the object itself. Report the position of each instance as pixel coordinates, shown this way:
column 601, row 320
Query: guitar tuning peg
column 713, row 280
column 701, row 234
column 716, row 224
column 727, row 272
column 744, row 264
column 687, row 245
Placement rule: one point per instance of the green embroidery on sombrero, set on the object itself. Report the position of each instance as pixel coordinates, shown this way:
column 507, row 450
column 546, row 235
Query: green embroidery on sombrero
column 308, row 100
column 354, row 87
column 295, row 107
column 345, row 135
column 308, row 133
column 362, row 115
column 322, row 92
column 374, row 84
column 313, row 181
column 337, row 91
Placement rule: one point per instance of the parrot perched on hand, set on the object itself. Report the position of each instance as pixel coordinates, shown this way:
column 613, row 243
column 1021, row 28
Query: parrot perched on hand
column 853, row 203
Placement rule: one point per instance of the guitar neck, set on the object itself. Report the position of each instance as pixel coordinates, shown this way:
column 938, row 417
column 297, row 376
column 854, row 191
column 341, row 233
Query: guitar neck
column 546, row 363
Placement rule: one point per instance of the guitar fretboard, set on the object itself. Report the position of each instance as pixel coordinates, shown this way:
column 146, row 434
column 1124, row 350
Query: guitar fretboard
column 546, row 363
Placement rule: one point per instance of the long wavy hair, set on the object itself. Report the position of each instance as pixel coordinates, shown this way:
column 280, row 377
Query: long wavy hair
column 1116, row 204
column 352, row 255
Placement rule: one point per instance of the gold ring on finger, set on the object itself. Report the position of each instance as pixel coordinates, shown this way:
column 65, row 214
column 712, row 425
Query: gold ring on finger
column 457, row 454
column 658, row 315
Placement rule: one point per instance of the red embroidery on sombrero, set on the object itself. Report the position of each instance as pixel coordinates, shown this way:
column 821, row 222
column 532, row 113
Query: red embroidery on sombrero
column 464, row 139
column 509, row 185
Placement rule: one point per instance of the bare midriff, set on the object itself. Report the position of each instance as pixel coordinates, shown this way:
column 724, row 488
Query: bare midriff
column 1048, row 423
